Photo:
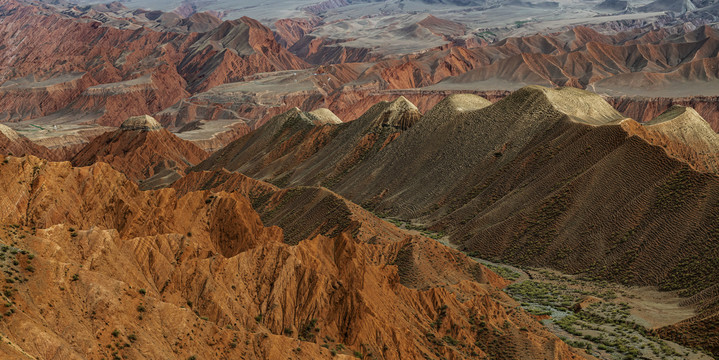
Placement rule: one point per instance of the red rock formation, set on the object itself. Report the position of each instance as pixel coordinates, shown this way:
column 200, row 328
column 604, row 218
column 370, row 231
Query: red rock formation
column 25, row 97
column 198, row 274
column 88, row 55
column 289, row 31
column 577, row 57
column 141, row 149
column 144, row 95
column 232, row 50
column 115, row 72
column 316, row 50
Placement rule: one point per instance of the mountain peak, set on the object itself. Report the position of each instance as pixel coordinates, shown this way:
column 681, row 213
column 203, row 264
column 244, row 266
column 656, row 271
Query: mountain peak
column 400, row 113
column 684, row 135
column 677, row 114
column 325, row 116
column 460, row 103
column 581, row 105
column 142, row 122
column 686, row 125
column 401, row 103
column 451, row 106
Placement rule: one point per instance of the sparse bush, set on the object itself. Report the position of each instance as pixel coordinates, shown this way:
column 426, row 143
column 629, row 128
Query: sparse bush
column 450, row 340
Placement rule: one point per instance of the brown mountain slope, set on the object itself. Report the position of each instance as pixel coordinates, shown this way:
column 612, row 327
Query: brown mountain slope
column 292, row 144
column 141, row 149
column 543, row 167
column 198, row 274
column 700, row 330
column 302, row 212
column 519, row 181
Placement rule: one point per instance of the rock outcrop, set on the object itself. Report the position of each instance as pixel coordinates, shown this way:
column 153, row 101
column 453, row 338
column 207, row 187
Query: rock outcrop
column 233, row 50
column 120, row 69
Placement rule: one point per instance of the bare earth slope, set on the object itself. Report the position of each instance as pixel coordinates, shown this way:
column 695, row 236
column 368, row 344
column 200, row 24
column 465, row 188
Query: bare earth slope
column 148, row 274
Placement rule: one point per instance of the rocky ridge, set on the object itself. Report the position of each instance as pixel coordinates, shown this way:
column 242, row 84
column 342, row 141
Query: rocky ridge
column 204, row 259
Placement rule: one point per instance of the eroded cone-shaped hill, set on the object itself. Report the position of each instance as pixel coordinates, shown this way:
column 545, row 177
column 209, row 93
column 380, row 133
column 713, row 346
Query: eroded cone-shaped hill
column 141, row 149
column 645, row 109
column 196, row 273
